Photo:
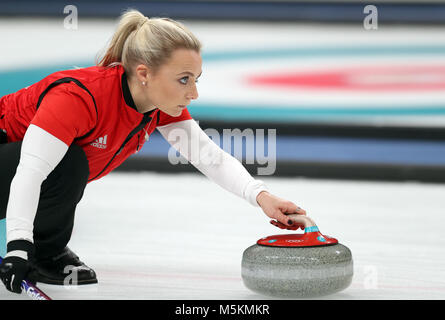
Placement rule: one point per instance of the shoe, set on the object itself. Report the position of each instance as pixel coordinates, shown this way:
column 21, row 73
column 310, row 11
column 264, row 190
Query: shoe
column 62, row 269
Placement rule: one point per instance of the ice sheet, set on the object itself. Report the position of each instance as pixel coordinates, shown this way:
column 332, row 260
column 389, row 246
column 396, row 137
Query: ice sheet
column 180, row 236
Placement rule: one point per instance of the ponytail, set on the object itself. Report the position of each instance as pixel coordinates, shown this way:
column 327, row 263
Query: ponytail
column 139, row 39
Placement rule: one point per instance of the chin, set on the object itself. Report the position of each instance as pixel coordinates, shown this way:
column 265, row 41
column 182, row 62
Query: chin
column 177, row 113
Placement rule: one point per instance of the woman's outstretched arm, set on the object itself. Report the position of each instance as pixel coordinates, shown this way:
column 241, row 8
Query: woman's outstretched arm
column 219, row 166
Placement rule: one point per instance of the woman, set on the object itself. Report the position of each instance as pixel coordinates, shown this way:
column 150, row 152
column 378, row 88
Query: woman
column 75, row 126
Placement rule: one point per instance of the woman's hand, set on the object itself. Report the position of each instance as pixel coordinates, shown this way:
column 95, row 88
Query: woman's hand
column 278, row 209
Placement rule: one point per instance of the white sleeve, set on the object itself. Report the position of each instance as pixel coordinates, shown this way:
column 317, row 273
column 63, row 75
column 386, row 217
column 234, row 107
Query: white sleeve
column 219, row 166
column 41, row 152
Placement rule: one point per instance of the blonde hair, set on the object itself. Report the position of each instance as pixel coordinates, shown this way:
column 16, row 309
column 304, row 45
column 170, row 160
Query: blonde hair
column 139, row 39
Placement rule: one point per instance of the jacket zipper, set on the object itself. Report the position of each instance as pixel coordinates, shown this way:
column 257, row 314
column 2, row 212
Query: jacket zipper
column 141, row 125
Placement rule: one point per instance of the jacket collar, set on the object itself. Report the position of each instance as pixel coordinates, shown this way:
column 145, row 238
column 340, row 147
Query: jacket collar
column 127, row 95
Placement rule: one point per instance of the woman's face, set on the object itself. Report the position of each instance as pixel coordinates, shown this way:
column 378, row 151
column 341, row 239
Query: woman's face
column 173, row 86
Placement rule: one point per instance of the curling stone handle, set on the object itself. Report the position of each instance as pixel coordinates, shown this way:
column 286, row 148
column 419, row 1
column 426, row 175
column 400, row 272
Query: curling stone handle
column 309, row 224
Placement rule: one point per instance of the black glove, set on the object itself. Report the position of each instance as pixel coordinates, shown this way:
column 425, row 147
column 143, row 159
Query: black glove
column 15, row 265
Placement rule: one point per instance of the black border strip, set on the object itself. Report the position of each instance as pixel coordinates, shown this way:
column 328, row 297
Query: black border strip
column 343, row 171
column 337, row 130
column 321, row 11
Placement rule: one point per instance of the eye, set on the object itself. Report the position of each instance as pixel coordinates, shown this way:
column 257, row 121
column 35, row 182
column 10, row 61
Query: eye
column 185, row 79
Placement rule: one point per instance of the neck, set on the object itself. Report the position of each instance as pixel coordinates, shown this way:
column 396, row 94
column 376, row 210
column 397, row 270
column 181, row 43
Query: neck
column 141, row 102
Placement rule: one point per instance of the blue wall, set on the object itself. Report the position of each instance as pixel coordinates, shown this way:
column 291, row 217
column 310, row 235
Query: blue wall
column 327, row 11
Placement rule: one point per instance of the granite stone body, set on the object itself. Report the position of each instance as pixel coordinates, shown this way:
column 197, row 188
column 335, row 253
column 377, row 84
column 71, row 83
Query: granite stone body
column 297, row 272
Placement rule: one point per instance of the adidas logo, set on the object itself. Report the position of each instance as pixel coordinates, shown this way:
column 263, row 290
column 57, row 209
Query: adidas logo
column 100, row 143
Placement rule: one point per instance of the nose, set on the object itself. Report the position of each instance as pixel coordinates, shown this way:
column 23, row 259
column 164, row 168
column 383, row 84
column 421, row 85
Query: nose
column 193, row 94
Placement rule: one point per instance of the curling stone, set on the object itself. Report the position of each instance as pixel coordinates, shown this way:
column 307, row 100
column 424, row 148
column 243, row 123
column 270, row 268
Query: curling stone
column 297, row 265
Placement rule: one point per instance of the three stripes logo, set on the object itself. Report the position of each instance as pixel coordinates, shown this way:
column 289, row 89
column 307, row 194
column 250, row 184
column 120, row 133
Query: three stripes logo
column 100, row 143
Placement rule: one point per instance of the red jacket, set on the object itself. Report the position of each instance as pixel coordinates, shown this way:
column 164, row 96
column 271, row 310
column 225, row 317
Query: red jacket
column 91, row 107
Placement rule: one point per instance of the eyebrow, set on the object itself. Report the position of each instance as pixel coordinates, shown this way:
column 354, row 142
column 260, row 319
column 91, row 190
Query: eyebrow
column 189, row 73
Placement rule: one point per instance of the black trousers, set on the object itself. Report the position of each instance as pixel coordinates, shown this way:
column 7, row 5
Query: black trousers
column 59, row 195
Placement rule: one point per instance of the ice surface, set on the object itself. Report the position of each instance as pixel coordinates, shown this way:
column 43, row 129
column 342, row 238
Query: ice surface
column 180, row 236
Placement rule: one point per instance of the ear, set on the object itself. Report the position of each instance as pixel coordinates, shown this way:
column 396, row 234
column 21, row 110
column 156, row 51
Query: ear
column 142, row 73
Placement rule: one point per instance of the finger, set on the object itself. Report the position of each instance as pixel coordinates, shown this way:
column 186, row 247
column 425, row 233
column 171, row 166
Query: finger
column 293, row 226
column 283, row 218
column 291, row 208
column 278, row 224
column 301, row 211
column 282, row 226
column 16, row 284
